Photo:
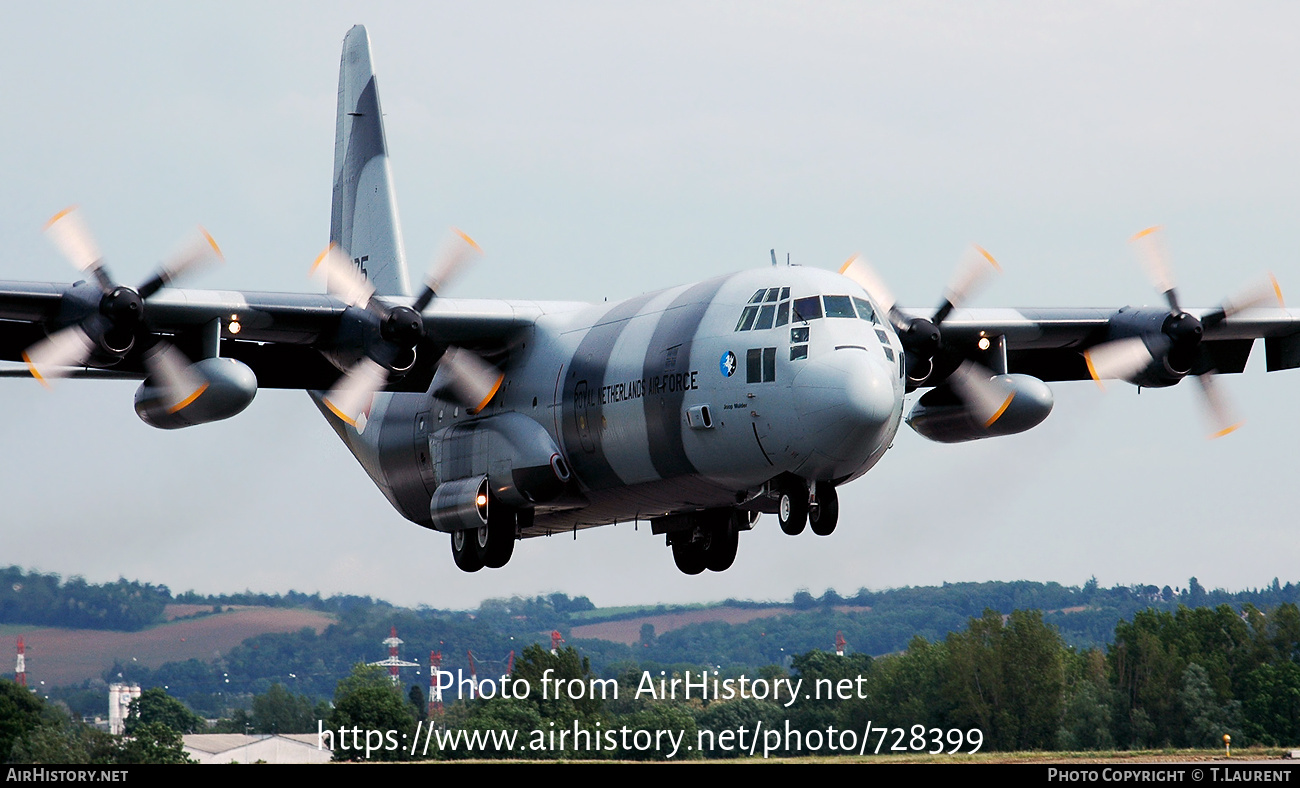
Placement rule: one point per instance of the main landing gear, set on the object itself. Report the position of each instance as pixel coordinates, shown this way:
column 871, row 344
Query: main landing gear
column 490, row 545
column 710, row 543
column 796, row 508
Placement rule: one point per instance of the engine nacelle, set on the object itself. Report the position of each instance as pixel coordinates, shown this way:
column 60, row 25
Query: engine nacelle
column 231, row 386
column 521, row 462
column 460, row 504
column 942, row 416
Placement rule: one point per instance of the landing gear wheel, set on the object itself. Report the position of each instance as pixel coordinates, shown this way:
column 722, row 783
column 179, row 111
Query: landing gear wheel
column 793, row 511
column 469, row 547
column 690, row 557
column 501, row 536
column 826, row 514
column 720, row 553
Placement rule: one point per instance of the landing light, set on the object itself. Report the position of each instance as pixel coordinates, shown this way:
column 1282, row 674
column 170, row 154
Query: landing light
column 481, row 500
column 233, row 327
column 983, row 343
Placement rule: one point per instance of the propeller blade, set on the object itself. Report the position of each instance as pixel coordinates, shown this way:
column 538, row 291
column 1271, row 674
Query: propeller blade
column 1263, row 293
column 474, row 381
column 199, row 253
column 1120, row 359
column 861, row 272
column 456, row 252
column 68, row 231
column 975, row 269
column 173, row 372
column 58, row 354
column 983, row 394
column 1150, row 244
column 342, row 279
column 352, row 394
column 1221, row 414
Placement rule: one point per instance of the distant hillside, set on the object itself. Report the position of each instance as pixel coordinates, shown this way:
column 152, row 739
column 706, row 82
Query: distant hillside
column 69, row 656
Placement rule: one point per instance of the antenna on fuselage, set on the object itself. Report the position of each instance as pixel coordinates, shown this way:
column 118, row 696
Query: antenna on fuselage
column 774, row 258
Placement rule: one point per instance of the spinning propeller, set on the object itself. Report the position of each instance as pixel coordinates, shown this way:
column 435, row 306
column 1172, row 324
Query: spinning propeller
column 100, row 331
column 985, row 395
column 1178, row 341
column 401, row 329
column 922, row 338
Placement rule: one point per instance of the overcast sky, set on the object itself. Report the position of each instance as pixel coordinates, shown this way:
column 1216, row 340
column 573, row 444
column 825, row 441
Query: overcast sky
column 600, row 150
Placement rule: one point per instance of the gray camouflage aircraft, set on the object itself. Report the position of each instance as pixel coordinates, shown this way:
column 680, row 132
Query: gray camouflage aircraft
column 696, row 408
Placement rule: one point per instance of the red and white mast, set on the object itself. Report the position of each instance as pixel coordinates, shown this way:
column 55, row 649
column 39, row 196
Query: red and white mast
column 20, row 670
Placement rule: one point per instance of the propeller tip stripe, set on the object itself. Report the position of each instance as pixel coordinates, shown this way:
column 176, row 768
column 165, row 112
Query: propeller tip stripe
column 212, row 242
column 59, row 216
column 321, row 258
column 495, row 388
column 467, row 239
column 848, row 263
column 31, row 367
column 1001, row 410
column 1145, row 233
column 1277, row 290
column 185, row 403
column 350, row 421
column 1092, row 371
column 1226, row 430
column 987, row 256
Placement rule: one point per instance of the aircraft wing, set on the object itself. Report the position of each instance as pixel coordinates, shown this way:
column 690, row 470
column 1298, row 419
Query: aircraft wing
column 1049, row 343
column 282, row 337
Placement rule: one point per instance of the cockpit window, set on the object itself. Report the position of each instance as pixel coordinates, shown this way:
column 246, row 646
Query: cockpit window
column 864, row 310
column 809, row 308
column 767, row 308
column 839, row 306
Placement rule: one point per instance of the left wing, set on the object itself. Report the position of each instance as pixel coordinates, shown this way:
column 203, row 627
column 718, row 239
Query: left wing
column 289, row 340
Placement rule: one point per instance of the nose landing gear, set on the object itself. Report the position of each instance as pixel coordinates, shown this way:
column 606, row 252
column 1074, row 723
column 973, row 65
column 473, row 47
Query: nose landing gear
column 796, row 508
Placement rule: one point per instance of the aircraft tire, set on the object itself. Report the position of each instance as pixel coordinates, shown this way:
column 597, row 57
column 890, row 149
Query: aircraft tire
column 691, row 557
column 501, row 535
column 826, row 514
column 792, row 512
column 468, row 548
column 720, row 552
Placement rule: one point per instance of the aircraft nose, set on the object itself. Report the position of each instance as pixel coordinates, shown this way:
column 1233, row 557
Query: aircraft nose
column 845, row 400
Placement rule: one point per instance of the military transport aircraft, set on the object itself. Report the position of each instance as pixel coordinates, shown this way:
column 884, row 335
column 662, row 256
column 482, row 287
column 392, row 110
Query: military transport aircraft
column 697, row 408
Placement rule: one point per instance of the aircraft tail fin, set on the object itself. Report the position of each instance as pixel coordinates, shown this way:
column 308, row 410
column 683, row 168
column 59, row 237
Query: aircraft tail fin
column 363, row 220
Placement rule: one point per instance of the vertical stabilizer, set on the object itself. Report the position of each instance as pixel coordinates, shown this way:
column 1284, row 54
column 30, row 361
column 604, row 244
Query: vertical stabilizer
column 363, row 220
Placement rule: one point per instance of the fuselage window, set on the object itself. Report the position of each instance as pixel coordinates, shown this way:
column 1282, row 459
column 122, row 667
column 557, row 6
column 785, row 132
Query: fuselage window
column 799, row 334
column 839, row 306
column 783, row 313
column 757, row 297
column 760, row 365
column 772, row 294
column 765, row 316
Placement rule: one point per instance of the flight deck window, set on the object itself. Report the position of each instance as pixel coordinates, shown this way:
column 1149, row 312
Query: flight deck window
column 809, row 308
column 839, row 306
column 767, row 308
column 747, row 318
column 865, row 311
